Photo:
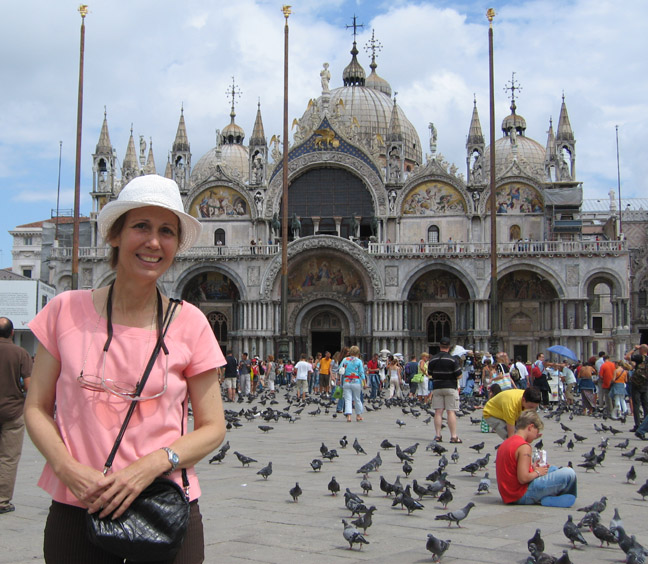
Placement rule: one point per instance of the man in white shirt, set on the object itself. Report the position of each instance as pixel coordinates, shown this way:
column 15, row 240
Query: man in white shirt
column 524, row 373
column 302, row 370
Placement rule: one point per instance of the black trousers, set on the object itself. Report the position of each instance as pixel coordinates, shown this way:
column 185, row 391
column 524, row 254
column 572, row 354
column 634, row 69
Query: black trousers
column 66, row 541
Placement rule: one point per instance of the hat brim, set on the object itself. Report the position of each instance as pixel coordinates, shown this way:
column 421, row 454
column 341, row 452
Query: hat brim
column 190, row 227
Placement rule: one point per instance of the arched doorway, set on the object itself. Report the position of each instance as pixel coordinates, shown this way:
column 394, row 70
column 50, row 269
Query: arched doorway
column 325, row 333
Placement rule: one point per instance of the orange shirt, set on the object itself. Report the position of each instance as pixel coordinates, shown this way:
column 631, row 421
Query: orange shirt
column 606, row 373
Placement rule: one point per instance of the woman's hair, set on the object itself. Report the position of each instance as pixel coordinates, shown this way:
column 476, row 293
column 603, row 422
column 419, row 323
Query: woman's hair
column 354, row 351
column 114, row 231
column 270, row 358
column 341, row 354
column 424, row 355
column 529, row 417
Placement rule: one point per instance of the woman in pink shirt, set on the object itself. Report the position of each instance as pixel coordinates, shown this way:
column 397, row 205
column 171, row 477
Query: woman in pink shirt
column 93, row 349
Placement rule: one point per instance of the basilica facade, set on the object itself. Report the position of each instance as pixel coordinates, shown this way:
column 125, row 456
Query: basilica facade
column 388, row 248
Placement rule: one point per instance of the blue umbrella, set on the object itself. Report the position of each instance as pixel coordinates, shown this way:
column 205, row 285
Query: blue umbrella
column 563, row 351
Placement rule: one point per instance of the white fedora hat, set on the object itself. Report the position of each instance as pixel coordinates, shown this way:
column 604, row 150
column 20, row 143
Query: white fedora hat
column 151, row 190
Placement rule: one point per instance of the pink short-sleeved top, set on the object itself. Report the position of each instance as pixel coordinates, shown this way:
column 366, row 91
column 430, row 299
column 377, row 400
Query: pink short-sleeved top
column 71, row 330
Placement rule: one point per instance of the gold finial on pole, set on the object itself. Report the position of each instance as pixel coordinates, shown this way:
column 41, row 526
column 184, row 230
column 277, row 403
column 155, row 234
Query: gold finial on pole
column 286, row 11
column 83, row 10
column 490, row 14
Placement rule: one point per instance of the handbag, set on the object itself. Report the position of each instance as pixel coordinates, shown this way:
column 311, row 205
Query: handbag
column 418, row 378
column 154, row 525
column 338, row 392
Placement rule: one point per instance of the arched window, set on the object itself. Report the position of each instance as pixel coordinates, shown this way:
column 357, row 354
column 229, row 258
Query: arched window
column 433, row 234
column 515, row 233
column 219, row 237
column 438, row 326
column 218, row 321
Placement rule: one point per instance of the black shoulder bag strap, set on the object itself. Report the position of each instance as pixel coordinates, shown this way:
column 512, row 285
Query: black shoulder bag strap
column 163, row 326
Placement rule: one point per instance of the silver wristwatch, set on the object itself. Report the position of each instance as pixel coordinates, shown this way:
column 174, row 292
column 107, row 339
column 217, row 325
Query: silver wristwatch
column 174, row 459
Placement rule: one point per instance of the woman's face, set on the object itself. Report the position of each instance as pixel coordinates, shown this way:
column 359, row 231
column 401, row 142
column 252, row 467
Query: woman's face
column 148, row 242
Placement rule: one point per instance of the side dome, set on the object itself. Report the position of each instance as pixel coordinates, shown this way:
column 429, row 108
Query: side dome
column 516, row 146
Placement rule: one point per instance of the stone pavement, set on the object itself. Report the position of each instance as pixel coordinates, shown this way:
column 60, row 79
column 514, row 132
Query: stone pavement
column 249, row 520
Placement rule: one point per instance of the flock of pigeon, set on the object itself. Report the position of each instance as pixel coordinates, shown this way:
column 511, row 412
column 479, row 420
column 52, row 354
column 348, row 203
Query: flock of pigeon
column 365, row 503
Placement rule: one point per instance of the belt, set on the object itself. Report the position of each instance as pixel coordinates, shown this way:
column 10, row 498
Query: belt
column 351, row 377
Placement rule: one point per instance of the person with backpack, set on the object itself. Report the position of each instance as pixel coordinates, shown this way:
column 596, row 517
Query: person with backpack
column 409, row 370
column 445, row 371
column 519, row 373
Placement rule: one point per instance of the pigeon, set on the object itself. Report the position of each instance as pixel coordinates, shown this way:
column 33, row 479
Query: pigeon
column 604, row 443
column 266, row 471
column 590, row 519
column 616, row 521
column 478, row 447
column 571, row 531
column 316, row 464
column 407, row 468
column 455, row 456
column 353, row 536
column 636, row 556
column 445, row 498
column 218, row 457
column 443, row 462
column 437, row 547
column 344, row 442
column 333, row 486
column 566, row 429
column 614, row 431
column 265, row 428
column 589, row 465
column 561, row 442
column 570, row 445
column 421, row 491
column 564, row 559
column 472, row 468
column 539, row 445
column 623, row 444
column 295, row 492
column 598, row 506
column 537, row 541
column 386, row 444
column 643, row 491
column 365, row 520
column 539, row 557
column 400, row 423
column 365, row 484
column 386, row 487
column 602, row 533
column 630, row 453
column 331, row 454
column 357, row 447
column 579, row 438
column 323, row 449
column 456, row 516
column 411, row 450
column 484, row 485
column 244, row 460
column 483, row 461
column 410, row 503
column 631, row 475
column 402, row 456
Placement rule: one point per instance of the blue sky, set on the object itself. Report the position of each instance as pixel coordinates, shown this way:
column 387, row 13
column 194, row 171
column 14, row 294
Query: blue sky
column 146, row 58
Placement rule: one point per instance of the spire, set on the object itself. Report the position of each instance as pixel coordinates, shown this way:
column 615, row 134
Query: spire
column 551, row 144
column 168, row 171
column 373, row 80
column 130, row 160
column 475, row 135
column 104, row 145
column 565, row 132
column 150, row 161
column 395, row 130
column 258, row 135
column 233, row 133
column 181, row 143
column 354, row 74
column 514, row 124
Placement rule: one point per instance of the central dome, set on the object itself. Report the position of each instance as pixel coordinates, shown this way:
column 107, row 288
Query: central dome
column 363, row 106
